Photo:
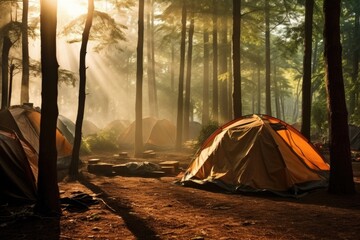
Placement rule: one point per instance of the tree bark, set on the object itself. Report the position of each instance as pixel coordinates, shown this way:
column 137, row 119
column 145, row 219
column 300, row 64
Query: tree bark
column 223, row 69
column 5, row 72
column 258, row 88
column 355, row 71
column 25, row 54
column 12, row 68
column 341, row 175
column 267, row 58
column 306, row 86
column 187, row 107
column 276, row 93
column 153, row 109
column 74, row 166
column 138, row 151
column 236, row 58
column 48, row 191
column 215, row 103
column 205, row 109
column 180, row 110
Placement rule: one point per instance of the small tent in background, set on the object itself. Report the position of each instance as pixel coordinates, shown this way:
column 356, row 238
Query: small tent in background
column 258, row 153
column 117, row 126
column 89, row 128
column 19, row 149
column 158, row 134
column 66, row 127
column 354, row 134
column 25, row 122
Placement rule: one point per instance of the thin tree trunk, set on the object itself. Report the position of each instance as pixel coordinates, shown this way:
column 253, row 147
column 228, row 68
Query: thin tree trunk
column 180, row 110
column 282, row 103
column 258, row 88
column 74, row 166
column 5, row 72
column 230, row 83
column 12, row 68
column 205, row 110
column 223, row 69
column 314, row 63
column 236, row 58
column 187, row 107
column 172, row 82
column 267, row 58
column 25, row 54
column 306, row 86
column 48, row 191
column 355, row 71
column 296, row 104
column 215, row 103
column 139, row 84
column 276, row 93
column 341, row 175
column 151, row 63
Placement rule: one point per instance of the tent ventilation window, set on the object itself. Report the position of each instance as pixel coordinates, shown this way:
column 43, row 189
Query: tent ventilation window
column 277, row 126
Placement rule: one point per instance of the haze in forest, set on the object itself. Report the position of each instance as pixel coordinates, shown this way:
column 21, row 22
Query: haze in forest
column 111, row 59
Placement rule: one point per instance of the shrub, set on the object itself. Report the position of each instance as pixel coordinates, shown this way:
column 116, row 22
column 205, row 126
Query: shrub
column 206, row 131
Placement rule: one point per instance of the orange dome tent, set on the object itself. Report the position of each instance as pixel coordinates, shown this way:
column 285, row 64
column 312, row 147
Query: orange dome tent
column 258, row 153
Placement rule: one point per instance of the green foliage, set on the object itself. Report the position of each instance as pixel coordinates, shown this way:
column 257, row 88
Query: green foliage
column 206, row 131
column 103, row 141
column 319, row 118
column 355, row 117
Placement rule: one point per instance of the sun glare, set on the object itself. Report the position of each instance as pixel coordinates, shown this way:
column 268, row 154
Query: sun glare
column 72, row 9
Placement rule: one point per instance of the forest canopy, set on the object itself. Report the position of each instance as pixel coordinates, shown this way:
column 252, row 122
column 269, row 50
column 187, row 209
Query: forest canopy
column 112, row 58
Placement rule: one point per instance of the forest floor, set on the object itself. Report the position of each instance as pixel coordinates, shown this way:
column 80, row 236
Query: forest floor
column 134, row 207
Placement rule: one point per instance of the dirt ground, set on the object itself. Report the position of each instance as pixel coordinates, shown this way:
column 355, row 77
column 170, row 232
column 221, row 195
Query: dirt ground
column 133, row 207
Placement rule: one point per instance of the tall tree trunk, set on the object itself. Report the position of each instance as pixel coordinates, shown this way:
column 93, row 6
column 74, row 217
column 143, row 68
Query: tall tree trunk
column 74, row 165
column 215, row 103
column 236, row 58
column 151, row 62
column 267, row 59
column 5, row 72
column 12, row 68
column 230, row 83
column 180, row 110
column 282, row 103
column 355, row 71
column 341, row 176
column 306, row 86
column 172, row 82
column 187, row 107
column 223, row 69
column 276, row 93
column 314, row 63
column 296, row 104
column 138, row 151
column 205, row 101
column 25, row 54
column 172, row 68
column 48, row 191
column 258, row 88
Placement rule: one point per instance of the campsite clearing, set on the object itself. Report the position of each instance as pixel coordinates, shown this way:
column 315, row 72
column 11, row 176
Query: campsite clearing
column 156, row 208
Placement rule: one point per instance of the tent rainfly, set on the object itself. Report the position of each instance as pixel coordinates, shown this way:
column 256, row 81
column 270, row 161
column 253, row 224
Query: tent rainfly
column 158, row 134
column 258, row 153
column 19, row 149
